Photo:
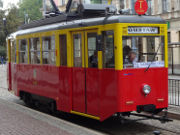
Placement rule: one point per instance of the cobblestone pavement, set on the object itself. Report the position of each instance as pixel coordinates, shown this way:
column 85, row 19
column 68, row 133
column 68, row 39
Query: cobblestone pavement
column 16, row 119
column 14, row 122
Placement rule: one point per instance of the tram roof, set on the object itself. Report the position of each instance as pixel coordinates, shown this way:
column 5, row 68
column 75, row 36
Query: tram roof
column 92, row 22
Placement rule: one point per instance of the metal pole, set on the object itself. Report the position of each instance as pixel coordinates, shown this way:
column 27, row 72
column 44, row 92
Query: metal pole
column 172, row 54
column 44, row 8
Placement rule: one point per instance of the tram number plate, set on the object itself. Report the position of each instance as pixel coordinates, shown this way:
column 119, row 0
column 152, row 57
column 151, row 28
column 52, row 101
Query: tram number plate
column 143, row 30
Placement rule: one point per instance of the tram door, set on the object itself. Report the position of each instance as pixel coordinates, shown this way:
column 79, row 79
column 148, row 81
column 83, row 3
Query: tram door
column 85, row 73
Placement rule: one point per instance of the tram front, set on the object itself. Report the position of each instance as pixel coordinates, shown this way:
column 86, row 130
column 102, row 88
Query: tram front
column 143, row 81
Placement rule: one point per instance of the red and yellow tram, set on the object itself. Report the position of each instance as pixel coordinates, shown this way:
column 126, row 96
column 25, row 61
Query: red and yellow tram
column 94, row 67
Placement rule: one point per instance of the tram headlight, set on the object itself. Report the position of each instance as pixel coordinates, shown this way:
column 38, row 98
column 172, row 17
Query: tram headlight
column 146, row 89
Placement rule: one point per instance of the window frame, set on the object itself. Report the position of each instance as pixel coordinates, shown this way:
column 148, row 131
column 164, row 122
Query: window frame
column 49, row 51
column 108, row 33
column 80, row 37
column 31, row 40
column 161, row 52
column 23, row 51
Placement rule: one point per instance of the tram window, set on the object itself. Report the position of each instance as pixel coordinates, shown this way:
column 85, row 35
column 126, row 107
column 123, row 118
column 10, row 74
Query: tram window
column 77, row 50
column 13, row 51
column 108, row 49
column 92, row 50
column 48, row 51
column 23, row 51
column 63, row 50
column 34, row 51
column 140, row 52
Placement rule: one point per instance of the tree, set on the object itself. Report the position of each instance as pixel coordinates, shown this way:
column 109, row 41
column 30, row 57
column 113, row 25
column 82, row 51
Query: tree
column 31, row 8
column 9, row 26
column 2, row 33
column 13, row 19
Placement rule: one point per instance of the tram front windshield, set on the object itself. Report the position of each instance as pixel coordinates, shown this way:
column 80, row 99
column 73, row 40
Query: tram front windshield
column 143, row 52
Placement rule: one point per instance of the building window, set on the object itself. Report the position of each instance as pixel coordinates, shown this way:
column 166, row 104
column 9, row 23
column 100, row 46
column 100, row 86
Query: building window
column 74, row 5
column 23, row 51
column 35, row 51
column 108, row 49
column 169, row 37
column 164, row 6
column 48, row 50
column 121, row 3
column 149, row 12
column 63, row 50
column 62, row 2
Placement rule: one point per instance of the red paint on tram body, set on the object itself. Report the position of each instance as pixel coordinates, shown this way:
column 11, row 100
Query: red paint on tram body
column 91, row 91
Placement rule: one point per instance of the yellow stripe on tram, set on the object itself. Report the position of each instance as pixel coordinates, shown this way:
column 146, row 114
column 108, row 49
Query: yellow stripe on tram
column 86, row 115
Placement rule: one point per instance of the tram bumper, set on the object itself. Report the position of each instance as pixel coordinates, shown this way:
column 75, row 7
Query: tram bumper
column 146, row 108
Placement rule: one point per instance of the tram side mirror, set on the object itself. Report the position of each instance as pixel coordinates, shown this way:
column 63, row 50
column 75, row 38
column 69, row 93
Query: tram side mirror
column 99, row 43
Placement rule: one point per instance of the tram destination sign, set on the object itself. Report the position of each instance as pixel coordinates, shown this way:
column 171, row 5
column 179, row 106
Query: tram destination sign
column 143, row 30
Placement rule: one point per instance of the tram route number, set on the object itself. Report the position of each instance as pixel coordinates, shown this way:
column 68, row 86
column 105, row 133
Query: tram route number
column 143, row 30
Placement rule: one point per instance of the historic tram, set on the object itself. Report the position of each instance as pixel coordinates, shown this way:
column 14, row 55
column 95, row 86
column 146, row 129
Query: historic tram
column 91, row 66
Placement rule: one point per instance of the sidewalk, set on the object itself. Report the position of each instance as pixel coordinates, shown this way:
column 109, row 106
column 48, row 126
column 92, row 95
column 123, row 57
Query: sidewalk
column 18, row 120
column 174, row 112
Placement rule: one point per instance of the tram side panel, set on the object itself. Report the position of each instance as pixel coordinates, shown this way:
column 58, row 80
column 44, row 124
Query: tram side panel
column 65, row 89
column 108, row 94
column 93, row 91
column 37, row 79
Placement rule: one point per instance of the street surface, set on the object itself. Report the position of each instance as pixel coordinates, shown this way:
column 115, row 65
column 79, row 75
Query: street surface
column 58, row 124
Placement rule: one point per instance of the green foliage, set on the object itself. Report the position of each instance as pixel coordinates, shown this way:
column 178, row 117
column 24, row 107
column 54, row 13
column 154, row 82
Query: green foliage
column 3, row 51
column 12, row 22
column 32, row 8
column 15, row 17
column 2, row 34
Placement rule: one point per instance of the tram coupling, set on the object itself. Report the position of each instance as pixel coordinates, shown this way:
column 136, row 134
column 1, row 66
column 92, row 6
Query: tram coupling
column 162, row 117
